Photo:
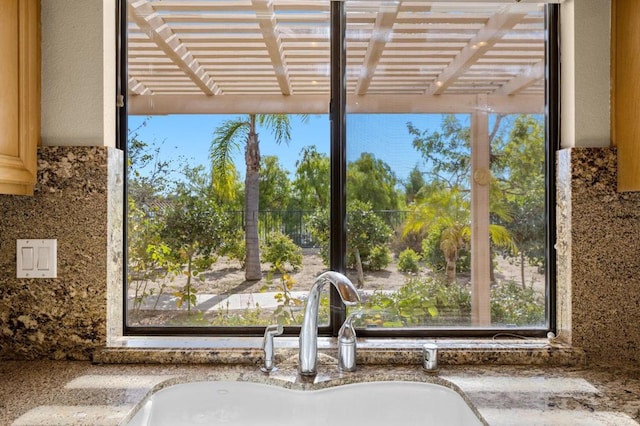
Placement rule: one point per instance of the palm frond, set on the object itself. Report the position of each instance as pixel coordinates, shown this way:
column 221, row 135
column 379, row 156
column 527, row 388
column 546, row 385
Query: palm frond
column 501, row 237
column 420, row 218
column 280, row 124
column 226, row 141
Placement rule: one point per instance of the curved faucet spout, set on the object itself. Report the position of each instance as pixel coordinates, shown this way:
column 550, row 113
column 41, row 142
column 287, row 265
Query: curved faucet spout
column 308, row 340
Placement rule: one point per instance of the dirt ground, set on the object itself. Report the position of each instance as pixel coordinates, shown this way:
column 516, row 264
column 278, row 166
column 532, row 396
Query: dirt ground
column 227, row 277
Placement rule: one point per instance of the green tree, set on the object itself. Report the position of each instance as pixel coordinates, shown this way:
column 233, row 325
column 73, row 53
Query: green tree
column 520, row 175
column 367, row 237
column 312, row 180
column 228, row 138
column 372, row 181
column 146, row 171
column 275, row 186
column 193, row 229
column 413, row 185
column 147, row 259
column 446, row 152
column 147, row 255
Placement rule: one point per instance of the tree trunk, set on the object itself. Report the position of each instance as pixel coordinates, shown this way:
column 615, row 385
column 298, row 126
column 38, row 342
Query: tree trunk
column 252, row 270
column 524, row 283
column 492, row 267
column 188, row 286
column 451, row 270
column 359, row 272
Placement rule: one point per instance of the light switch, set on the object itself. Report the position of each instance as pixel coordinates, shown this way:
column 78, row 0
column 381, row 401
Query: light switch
column 36, row 258
column 43, row 258
column 27, row 258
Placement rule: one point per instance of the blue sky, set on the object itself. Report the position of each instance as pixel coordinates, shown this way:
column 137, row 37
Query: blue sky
column 386, row 136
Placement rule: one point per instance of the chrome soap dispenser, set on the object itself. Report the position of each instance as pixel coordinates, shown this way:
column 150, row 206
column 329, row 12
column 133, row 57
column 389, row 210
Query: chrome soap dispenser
column 347, row 346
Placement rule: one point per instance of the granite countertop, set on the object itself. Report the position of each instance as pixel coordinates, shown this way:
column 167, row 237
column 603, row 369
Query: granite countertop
column 82, row 393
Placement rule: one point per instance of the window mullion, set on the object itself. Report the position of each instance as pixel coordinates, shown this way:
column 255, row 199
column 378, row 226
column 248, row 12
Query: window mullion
column 337, row 249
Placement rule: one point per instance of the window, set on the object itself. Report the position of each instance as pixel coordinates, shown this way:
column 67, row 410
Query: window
column 402, row 143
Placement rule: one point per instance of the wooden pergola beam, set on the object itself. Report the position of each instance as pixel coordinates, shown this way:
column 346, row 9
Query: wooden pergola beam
column 267, row 21
column 318, row 104
column 148, row 20
column 529, row 76
column 137, row 88
column 477, row 46
column 380, row 35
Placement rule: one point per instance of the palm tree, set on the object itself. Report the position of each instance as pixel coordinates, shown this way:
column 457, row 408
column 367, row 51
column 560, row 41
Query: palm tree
column 227, row 138
column 447, row 212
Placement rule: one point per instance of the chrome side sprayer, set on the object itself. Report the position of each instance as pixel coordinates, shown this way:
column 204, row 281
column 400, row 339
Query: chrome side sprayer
column 268, row 364
column 347, row 346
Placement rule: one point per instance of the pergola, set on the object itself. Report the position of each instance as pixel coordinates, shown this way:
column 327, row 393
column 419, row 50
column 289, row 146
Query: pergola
column 272, row 56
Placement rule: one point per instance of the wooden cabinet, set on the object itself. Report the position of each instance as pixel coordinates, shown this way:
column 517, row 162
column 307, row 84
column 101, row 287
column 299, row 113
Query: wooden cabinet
column 625, row 97
column 19, row 95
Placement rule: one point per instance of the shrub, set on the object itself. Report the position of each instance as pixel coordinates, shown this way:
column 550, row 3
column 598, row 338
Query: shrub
column 411, row 240
column 511, row 304
column 408, row 261
column 280, row 250
column 379, row 258
column 419, row 302
column 428, row 301
column 365, row 231
column 319, row 228
column 193, row 229
column 234, row 248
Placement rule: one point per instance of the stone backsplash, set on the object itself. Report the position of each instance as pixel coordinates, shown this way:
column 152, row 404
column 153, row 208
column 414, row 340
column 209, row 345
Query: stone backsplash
column 598, row 248
column 65, row 317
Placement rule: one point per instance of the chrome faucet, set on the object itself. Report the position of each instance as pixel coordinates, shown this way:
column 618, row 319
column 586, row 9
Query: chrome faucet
column 308, row 339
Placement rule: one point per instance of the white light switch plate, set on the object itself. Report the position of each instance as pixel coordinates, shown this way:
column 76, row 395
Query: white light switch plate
column 37, row 258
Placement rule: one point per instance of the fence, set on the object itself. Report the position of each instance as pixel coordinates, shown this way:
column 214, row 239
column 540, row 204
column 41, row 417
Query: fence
column 294, row 223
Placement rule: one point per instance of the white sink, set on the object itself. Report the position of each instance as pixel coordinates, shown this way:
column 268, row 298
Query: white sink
column 253, row 404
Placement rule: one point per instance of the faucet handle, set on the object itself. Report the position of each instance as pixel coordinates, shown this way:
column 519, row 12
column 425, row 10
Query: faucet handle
column 268, row 347
column 430, row 356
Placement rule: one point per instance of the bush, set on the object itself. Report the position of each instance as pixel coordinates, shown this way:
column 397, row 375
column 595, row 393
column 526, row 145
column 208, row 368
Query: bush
column 319, row 228
column 365, row 231
column 408, row 261
column 280, row 251
column 428, row 301
column 379, row 258
column 234, row 248
column 411, row 240
column 419, row 302
column 511, row 304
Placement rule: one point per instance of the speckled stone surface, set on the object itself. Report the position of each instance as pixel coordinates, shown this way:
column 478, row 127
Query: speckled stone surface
column 598, row 247
column 80, row 393
column 62, row 318
column 369, row 351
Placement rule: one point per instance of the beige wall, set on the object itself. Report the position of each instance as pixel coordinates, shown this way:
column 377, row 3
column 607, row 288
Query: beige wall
column 585, row 58
column 78, row 72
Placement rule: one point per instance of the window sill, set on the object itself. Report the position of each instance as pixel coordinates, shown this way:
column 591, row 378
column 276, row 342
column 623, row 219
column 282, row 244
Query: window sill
column 247, row 350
